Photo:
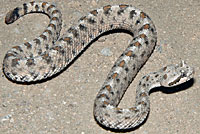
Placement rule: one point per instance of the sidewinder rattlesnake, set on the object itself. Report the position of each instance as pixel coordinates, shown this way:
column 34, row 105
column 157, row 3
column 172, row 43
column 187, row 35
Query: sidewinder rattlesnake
column 48, row 54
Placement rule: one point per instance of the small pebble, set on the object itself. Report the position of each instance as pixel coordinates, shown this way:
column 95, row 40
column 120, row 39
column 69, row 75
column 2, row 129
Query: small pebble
column 106, row 52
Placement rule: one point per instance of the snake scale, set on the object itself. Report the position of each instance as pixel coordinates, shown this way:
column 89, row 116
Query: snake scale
column 48, row 54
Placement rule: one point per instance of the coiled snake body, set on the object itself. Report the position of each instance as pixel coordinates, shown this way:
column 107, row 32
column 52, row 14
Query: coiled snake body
column 49, row 54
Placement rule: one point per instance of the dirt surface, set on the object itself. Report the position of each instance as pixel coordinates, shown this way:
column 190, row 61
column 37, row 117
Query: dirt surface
column 64, row 104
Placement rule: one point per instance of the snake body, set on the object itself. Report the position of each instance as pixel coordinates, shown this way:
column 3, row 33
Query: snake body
column 48, row 54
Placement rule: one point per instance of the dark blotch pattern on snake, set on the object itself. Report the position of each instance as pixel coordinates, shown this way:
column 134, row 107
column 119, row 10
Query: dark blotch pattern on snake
column 48, row 54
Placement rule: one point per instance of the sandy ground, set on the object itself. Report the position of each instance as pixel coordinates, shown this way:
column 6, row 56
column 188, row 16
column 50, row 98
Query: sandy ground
column 64, row 104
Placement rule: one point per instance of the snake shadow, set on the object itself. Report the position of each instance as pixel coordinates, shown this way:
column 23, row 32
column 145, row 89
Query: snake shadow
column 174, row 89
column 166, row 90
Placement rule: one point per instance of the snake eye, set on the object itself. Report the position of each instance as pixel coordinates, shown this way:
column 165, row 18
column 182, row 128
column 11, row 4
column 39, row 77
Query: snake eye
column 184, row 75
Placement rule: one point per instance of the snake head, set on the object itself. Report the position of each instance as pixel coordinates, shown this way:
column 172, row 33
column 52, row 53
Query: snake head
column 174, row 75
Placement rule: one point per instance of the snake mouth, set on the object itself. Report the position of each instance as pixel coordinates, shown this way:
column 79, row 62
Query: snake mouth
column 182, row 78
column 177, row 81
